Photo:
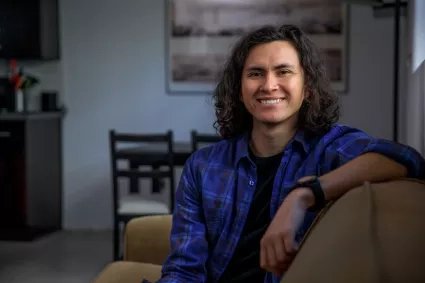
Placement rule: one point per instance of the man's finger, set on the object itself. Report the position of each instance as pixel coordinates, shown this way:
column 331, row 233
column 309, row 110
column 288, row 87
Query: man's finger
column 279, row 250
column 291, row 246
column 271, row 258
column 263, row 257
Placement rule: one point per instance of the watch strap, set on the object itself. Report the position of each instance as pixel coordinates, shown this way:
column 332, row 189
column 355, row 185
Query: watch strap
column 319, row 196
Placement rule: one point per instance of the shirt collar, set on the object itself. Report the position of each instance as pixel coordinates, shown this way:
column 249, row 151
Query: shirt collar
column 242, row 143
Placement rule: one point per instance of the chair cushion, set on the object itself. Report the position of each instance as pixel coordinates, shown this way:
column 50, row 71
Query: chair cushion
column 135, row 204
column 129, row 272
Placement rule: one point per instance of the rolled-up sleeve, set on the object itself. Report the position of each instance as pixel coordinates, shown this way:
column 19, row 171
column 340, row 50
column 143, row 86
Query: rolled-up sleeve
column 355, row 143
column 400, row 153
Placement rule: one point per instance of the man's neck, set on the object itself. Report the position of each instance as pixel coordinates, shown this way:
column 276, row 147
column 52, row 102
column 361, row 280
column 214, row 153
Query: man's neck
column 267, row 140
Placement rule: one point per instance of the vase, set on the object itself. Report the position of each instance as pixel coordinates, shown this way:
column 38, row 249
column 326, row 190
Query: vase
column 19, row 100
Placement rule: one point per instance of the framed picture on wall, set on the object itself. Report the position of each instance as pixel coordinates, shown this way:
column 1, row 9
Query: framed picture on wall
column 200, row 34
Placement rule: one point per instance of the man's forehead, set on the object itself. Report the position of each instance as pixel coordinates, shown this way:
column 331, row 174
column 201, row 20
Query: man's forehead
column 273, row 54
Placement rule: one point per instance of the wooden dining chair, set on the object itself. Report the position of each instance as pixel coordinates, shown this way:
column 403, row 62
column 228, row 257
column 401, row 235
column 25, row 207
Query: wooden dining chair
column 139, row 150
column 198, row 139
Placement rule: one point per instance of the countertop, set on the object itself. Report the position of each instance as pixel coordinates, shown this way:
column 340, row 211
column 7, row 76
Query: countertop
column 10, row 116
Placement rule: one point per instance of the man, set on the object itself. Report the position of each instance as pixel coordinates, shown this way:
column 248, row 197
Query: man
column 244, row 204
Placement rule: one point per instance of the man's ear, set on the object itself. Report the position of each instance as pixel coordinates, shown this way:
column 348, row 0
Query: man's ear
column 307, row 94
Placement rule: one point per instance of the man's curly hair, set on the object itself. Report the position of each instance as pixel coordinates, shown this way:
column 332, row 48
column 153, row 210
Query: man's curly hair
column 318, row 112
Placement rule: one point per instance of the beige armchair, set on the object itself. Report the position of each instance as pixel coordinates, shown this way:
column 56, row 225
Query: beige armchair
column 374, row 233
column 146, row 246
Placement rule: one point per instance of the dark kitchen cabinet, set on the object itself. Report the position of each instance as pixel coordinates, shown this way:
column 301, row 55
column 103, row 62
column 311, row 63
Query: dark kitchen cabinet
column 29, row 29
column 30, row 176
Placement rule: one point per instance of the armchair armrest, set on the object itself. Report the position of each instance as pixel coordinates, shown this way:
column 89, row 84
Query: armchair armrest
column 147, row 239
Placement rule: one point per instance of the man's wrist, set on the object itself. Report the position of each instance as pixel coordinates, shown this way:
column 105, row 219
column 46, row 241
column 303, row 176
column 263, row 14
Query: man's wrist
column 306, row 196
column 310, row 190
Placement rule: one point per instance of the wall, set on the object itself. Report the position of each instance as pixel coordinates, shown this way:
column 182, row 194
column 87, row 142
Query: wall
column 113, row 59
column 112, row 76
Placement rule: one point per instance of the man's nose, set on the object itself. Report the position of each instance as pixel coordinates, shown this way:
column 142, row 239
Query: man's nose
column 270, row 83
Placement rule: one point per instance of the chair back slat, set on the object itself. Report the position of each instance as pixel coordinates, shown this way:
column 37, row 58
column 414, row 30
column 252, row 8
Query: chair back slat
column 156, row 138
column 142, row 174
column 161, row 159
column 200, row 138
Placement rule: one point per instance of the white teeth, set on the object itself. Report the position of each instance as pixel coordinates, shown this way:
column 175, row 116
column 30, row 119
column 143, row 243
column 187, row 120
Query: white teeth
column 270, row 101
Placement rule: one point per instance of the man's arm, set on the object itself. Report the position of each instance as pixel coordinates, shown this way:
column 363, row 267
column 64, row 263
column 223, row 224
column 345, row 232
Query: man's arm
column 355, row 158
column 189, row 247
column 348, row 160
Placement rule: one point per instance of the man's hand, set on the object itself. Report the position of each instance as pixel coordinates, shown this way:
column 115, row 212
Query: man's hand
column 278, row 246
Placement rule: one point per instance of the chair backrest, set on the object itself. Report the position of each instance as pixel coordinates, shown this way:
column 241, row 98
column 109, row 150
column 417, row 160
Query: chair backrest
column 375, row 232
column 197, row 139
column 140, row 150
column 147, row 239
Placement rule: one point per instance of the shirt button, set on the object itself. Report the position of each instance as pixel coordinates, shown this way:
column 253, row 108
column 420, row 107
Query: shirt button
column 251, row 183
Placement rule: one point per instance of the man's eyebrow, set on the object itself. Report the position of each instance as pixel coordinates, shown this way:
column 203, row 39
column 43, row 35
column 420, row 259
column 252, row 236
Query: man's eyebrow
column 277, row 67
column 284, row 66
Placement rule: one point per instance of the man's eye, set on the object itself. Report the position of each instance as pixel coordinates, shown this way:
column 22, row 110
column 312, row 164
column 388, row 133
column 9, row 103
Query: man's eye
column 254, row 74
column 284, row 72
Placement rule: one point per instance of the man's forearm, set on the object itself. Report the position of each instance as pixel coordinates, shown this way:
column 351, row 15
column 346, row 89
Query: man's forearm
column 367, row 167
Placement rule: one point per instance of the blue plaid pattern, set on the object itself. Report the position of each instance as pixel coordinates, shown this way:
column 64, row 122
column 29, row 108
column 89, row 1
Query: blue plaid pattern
column 218, row 182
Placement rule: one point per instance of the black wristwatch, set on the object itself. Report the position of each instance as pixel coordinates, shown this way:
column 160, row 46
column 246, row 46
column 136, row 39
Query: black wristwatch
column 316, row 188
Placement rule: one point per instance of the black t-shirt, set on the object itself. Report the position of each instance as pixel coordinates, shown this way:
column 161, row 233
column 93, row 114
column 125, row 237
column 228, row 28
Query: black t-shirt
column 244, row 265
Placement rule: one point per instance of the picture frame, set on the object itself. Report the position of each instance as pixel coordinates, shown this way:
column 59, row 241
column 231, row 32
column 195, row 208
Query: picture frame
column 201, row 33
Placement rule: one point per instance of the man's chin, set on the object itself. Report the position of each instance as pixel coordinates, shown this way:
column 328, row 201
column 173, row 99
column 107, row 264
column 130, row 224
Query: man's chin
column 272, row 121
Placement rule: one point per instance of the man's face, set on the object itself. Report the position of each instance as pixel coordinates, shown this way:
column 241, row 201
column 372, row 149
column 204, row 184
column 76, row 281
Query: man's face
column 273, row 82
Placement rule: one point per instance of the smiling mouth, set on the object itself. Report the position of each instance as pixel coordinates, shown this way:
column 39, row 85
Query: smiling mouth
column 270, row 101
